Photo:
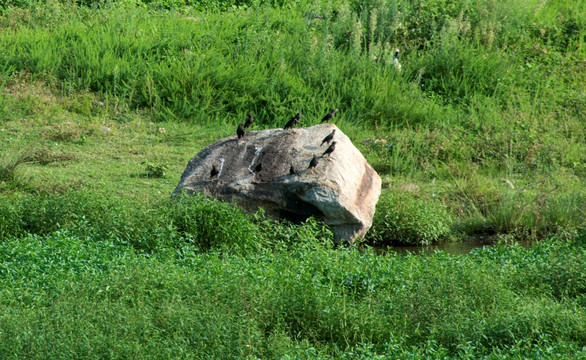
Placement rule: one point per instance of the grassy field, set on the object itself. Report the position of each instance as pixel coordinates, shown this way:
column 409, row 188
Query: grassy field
column 482, row 133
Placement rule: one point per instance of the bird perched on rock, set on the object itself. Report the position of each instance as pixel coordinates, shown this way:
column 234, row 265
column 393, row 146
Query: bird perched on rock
column 240, row 130
column 292, row 170
column 313, row 162
column 329, row 116
column 214, row 172
column 395, row 61
column 328, row 138
column 330, row 149
column 294, row 120
column 249, row 121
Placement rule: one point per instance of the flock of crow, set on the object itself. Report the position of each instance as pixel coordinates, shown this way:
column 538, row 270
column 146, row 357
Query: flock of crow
column 240, row 131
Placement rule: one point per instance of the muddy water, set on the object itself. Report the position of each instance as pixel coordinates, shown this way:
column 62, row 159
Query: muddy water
column 455, row 248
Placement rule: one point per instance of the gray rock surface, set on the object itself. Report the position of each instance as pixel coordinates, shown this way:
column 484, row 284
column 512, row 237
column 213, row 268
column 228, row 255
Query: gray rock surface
column 342, row 189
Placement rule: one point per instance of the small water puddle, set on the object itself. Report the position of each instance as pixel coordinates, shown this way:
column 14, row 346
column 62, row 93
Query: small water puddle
column 454, row 248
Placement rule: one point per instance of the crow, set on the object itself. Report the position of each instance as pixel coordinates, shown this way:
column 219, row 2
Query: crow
column 313, row 162
column 294, row 120
column 240, row 130
column 329, row 116
column 249, row 121
column 330, row 149
column 328, row 138
column 298, row 115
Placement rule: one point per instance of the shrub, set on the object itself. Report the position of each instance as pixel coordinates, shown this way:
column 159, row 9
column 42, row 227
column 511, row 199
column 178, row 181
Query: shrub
column 10, row 220
column 202, row 221
column 402, row 218
column 210, row 223
column 155, row 170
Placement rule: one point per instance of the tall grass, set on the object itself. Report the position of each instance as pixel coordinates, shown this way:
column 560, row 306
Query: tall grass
column 403, row 218
column 22, row 152
column 482, row 131
column 486, row 87
column 10, row 165
column 203, row 68
column 199, row 221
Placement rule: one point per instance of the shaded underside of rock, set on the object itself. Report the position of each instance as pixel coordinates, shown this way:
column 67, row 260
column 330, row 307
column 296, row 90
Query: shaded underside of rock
column 256, row 172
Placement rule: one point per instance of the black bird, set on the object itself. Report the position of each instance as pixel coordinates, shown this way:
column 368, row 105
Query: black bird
column 328, row 138
column 240, row 130
column 292, row 170
column 294, row 120
column 298, row 115
column 214, row 172
column 313, row 162
column 329, row 116
column 249, row 121
column 330, row 149
column 258, row 168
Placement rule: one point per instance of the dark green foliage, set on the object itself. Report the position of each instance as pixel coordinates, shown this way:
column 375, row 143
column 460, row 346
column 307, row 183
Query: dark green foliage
column 556, row 269
column 283, row 234
column 403, row 218
column 64, row 294
column 23, row 3
column 209, row 223
column 482, row 131
column 83, row 214
column 194, row 219
column 155, row 170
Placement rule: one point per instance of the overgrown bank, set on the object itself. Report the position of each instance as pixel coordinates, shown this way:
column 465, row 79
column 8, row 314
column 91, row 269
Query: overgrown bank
column 482, row 132
column 69, row 297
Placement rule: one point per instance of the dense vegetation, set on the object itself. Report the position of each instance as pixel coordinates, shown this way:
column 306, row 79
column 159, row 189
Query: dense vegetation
column 102, row 103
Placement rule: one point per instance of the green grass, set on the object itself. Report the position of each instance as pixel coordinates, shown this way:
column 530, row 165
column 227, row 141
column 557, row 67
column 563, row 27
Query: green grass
column 404, row 218
column 482, row 133
column 69, row 297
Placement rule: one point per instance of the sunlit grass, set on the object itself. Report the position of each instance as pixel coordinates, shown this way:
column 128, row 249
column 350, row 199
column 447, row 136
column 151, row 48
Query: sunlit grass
column 97, row 297
column 482, row 133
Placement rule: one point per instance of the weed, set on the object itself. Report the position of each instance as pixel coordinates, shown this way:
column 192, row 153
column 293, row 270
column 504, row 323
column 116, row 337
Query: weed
column 155, row 170
column 11, row 161
column 335, row 303
column 401, row 218
column 481, row 131
column 209, row 223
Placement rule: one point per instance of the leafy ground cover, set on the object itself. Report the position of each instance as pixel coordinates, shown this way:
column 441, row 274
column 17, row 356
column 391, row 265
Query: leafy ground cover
column 71, row 297
column 102, row 103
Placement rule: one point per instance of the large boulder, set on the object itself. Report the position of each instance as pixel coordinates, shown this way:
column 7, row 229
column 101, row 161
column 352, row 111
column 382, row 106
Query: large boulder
column 270, row 169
